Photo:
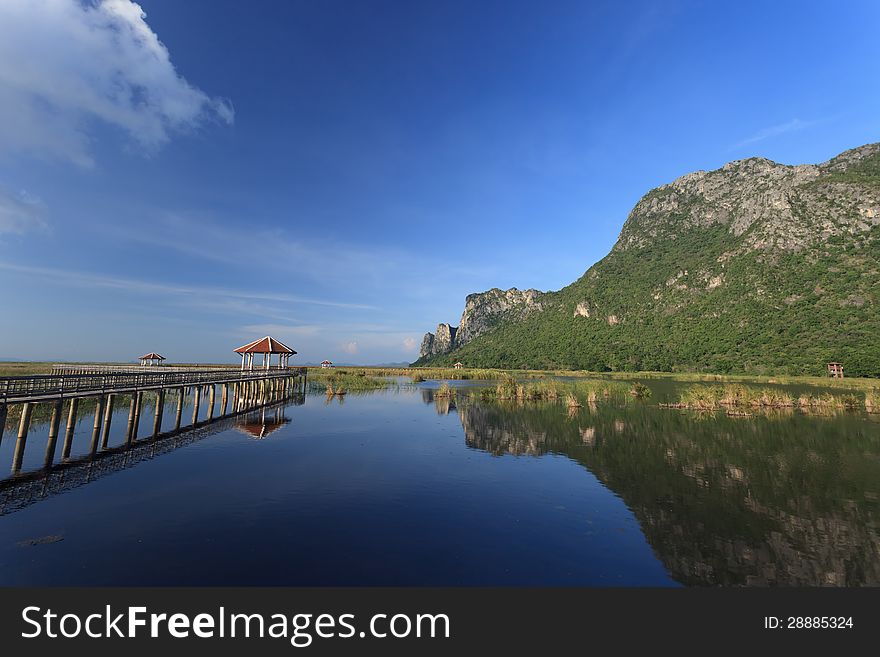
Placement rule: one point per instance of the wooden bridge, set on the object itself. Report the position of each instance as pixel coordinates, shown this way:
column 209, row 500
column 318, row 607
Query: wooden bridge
column 246, row 389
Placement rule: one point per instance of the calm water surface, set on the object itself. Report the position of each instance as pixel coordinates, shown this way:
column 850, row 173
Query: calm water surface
column 399, row 487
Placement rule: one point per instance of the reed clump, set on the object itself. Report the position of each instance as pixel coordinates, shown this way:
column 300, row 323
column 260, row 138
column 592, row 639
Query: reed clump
column 735, row 396
column 445, row 390
column 872, row 400
column 640, row 390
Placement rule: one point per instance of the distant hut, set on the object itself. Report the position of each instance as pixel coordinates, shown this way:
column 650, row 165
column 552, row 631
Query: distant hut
column 835, row 370
column 458, row 366
column 326, row 363
column 150, row 359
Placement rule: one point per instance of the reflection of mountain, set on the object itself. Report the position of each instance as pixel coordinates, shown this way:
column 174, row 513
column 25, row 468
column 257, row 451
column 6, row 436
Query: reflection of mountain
column 260, row 425
column 723, row 501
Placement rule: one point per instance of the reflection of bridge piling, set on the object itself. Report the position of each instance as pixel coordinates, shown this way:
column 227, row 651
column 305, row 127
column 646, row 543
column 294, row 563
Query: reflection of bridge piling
column 242, row 390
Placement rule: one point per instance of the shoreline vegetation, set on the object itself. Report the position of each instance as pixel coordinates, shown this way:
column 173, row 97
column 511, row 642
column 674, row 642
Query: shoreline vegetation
column 737, row 395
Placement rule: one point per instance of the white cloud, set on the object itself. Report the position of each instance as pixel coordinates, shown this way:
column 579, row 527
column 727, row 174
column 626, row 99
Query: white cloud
column 20, row 213
column 193, row 294
column 67, row 63
column 350, row 347
column 794, row 125
column 410, row 343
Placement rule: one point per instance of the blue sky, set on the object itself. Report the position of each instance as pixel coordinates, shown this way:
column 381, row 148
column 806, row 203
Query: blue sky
column 341, row 175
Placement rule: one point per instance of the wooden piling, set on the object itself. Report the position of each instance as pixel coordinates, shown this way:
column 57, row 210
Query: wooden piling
column 71, row 427
column 212, row 391
column 54, row 423
column 3, row 413
column 132, row 410
column 197, row 393
column 139, row 400
column 160, row 408
column 179, row 412
column 108, row 417
column 24, row 425
column 96, row 429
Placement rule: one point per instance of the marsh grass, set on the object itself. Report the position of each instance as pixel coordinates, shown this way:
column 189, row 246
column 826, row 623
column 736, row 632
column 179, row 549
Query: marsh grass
column 444, row 391
column 342, row 381
column 509, row 388
column 737, row 396
column 872, row 400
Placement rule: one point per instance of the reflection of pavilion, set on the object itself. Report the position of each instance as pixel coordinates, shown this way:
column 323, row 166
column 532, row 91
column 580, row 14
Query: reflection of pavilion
column 261, row 425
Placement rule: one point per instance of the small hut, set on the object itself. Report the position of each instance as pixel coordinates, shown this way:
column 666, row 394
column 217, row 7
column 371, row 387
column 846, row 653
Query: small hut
column 458, row 366
column 151, row 359
column 835, row 370
column 326, row 363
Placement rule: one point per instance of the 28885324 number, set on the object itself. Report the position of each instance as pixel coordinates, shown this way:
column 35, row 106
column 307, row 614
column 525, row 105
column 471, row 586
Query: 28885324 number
column 819, row 622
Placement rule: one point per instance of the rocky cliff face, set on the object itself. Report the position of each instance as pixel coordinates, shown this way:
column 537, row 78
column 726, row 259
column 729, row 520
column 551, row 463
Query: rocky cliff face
column 482, row 311
column 440, row 342
column 755, row 267
column 770, row 205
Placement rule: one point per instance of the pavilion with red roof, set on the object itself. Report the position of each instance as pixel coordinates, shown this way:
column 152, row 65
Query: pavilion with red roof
column 151, row 358
column 265, row 346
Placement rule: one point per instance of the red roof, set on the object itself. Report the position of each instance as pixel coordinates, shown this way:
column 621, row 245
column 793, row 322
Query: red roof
column 326, row 362
column 152, row 356
column 265, row 345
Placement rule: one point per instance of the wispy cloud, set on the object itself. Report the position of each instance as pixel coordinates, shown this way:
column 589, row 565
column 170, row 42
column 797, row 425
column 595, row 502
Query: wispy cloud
column 341, row 264
column 66, row 63
column 795, row 125
column 20, row 213
column 82, row 279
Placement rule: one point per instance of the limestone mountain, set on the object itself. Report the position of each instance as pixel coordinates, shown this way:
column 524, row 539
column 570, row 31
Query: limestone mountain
column 482, row 312
column 754, row 267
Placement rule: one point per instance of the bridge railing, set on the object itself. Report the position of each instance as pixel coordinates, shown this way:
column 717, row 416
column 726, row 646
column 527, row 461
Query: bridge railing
column 60, row 385
column 66, row 368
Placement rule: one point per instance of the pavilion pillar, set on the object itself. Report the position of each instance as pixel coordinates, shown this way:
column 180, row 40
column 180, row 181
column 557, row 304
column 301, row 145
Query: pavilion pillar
column 96, row 427
column 197, row 393
column 71, row 427
column 242, row 362
column 24, row 425
column 212, row 392
column 54, row 423
column 108, row 417
column 179, row 413
column 160, row 408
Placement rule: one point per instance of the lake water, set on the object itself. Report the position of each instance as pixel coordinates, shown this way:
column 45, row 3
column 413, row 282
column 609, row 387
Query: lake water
column 400, row 487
